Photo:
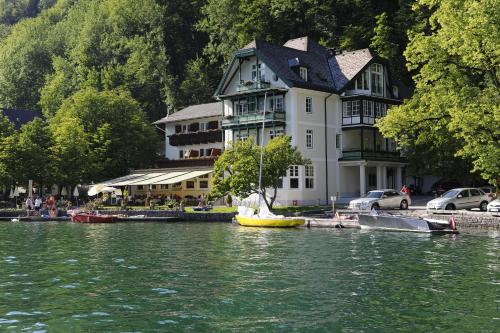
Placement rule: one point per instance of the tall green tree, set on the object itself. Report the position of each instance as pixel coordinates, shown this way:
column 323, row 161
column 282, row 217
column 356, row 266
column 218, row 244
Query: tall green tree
column 455, row 107
column 34, row 157
column 8, row 145
column 100, row 135
column 236, row 171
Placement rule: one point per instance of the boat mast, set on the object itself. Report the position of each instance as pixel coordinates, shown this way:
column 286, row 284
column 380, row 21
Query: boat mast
column 262, row 147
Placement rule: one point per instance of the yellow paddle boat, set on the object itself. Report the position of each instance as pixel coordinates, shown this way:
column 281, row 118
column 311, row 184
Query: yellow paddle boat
column 265, row 218
column 283, row 222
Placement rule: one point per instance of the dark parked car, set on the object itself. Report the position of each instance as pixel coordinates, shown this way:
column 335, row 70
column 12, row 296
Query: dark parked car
column 444, row 185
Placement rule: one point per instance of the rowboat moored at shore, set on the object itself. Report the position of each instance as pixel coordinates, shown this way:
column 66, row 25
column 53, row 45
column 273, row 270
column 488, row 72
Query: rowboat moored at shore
column 91, row 218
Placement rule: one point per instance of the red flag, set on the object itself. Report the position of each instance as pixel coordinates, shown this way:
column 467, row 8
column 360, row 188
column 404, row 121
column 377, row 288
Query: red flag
column 453, row 224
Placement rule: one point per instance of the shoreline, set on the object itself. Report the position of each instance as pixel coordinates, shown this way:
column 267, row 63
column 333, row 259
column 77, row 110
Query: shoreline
column 464, row 219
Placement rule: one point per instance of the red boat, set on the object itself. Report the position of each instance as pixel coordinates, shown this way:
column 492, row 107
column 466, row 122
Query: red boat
column 91, row 218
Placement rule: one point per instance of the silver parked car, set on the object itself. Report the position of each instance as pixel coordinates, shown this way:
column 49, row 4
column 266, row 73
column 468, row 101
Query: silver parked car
column 494, row 206
column 381, row 199
column 460, row 198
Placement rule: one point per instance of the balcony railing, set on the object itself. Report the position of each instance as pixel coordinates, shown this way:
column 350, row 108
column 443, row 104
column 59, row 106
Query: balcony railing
column 352, row 155
column 253, row 118
column 252, row 85
column 183, row 139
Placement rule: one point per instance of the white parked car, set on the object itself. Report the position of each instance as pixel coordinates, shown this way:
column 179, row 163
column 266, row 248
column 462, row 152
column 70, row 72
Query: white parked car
column 460, row 198
column 494, row 206
column 378, row 199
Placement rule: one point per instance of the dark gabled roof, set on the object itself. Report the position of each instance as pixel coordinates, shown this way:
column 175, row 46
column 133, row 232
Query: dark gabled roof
column 308, row 54
column 303, row 52
column 193, row 112
column 346, row 65
column 327, row 71
column 20, row 117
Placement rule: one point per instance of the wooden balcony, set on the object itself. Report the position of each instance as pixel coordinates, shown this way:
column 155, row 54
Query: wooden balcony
column 196, row 138
column 252, row 119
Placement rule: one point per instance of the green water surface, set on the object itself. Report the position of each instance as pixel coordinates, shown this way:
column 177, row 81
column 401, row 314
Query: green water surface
column 217, row 277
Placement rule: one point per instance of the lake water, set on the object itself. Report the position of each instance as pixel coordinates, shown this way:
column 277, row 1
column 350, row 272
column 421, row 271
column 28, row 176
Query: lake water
column 152, row 277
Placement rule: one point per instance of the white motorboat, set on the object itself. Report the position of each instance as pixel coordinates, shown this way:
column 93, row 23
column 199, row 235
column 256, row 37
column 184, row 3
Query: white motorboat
column 407, row 223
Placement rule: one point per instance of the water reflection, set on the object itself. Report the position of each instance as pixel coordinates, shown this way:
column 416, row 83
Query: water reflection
column 221, row 277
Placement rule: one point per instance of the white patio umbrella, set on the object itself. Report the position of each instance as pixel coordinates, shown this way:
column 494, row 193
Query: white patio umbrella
column 16, row 192
column 64, row 192
column 11, row 195
column 21, row 190
column 94, row 190
column 75, row 192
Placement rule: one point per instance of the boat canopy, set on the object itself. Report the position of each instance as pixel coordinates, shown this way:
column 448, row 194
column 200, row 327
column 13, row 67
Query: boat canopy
column 156, row 178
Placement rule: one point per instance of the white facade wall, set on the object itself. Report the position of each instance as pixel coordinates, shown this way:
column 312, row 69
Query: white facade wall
column 331, row 178
column 298, row 122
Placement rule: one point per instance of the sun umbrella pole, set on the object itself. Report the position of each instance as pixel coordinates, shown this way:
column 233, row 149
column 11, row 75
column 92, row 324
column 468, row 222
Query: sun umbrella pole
column 262, row 148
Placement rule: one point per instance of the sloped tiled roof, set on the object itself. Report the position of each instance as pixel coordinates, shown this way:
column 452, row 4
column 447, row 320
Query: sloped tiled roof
column 20, row 117
column 346, row 65
column 278, row 58
column 328, row 70
column 193, row 112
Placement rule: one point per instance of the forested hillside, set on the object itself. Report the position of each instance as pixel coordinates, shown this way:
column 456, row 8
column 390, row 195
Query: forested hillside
column 169, row 53
column 159, row 55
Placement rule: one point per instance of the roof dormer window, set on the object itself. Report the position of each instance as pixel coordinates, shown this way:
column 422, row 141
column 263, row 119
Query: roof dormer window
column 303, row 73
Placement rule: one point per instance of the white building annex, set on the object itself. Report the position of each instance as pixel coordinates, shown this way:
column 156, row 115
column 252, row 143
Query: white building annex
column 327, row 102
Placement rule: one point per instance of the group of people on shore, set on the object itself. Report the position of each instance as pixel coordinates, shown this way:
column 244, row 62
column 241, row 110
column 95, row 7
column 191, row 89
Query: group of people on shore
column 37, row 205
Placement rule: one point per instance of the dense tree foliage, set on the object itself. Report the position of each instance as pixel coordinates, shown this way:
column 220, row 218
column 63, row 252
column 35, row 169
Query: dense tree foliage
column 100, row 135
column 456, row 106
column 236, row 172
column 166, row 54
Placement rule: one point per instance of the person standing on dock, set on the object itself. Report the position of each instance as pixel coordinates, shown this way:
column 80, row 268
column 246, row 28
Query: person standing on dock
column 38, row 204
column 29, row 205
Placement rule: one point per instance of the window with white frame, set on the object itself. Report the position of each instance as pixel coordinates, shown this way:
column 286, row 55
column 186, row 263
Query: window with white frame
column 190, row 184
column 347, row 109
column 377, row 78
column 338, row 137
column 242, row 107
column 368, row 108
column 242, row 136
column 355, row 108
column 380, row 109
column 362, row 82
column 202, row 152
column 181, row 154
column 280, row 183
column 276, row 132
column 293, row 172
column 309, row 176
column 303, row 73
column 395, row 91
column 277, row 103
column 203, row 126
column 203, row 184
column 309, row 138
column 308, row 104
column 185, row 128
column 258, row 72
